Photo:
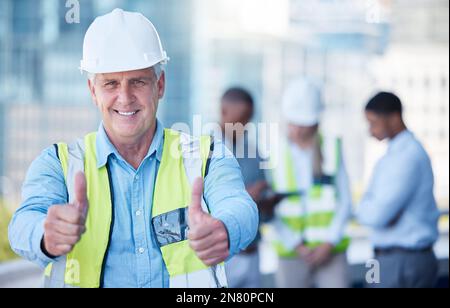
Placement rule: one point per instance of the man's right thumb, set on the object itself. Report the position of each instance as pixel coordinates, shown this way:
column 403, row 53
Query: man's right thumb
column 81, row 201
column 196, row 201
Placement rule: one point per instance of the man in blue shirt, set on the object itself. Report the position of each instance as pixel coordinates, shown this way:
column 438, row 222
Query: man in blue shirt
column 123, row 57
column 237, row 110
column 399, row 205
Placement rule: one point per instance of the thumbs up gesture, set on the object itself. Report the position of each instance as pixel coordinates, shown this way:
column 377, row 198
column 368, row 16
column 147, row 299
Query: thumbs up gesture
column 65, row 224
column 207, row 236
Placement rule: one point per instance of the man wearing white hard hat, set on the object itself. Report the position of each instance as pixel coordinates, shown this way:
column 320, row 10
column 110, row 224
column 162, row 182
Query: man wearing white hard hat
column 133, row 204
column 309, row 225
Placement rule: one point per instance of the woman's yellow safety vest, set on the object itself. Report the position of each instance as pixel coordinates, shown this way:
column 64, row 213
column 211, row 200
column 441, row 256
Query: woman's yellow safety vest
column 183, row 160
column 308, row 217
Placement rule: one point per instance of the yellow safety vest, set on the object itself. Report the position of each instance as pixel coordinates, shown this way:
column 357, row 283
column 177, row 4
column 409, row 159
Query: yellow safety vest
column 183, row 160
column 307, row 217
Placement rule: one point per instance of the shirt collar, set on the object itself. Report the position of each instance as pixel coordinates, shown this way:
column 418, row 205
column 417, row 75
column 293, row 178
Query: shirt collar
column 398, row 142
column 106, row 148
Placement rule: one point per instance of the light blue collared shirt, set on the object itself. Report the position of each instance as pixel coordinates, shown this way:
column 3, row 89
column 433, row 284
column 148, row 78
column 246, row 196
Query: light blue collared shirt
column 399, row 204
column 134, row 258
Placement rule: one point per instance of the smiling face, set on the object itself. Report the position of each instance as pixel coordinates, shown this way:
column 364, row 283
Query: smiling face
column 128, row 102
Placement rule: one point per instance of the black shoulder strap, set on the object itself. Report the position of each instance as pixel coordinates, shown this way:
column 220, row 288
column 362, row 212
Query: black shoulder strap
column 208, row 161
column 57, row 150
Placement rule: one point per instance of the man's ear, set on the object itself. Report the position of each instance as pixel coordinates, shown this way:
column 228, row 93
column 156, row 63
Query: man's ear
column 162, row 85
column 92, row 91
column 391, row 121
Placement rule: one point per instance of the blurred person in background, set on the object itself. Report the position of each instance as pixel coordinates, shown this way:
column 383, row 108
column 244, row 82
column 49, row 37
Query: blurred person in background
column 237, row 109
column 399, row 204
column 309, row 225
column 133, row 204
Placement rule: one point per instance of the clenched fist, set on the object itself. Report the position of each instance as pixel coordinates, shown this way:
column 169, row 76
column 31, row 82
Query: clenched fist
column 65, row 224
column 207, row 236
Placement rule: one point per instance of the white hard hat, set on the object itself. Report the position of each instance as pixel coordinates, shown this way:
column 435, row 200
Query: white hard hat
column 302, row 103
column 121, row 41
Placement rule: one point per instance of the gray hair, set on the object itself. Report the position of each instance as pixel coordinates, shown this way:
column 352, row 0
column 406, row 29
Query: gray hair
column 158, row 69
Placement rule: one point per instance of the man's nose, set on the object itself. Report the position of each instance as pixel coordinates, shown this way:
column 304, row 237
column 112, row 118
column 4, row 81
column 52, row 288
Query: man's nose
column 125, row 95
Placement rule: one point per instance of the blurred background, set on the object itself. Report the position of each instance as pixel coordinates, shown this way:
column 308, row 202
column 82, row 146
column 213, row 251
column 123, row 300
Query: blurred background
column 354, row 47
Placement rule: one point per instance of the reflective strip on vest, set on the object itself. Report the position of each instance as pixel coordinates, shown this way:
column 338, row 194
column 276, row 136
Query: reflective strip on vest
column 307, row 218
column 183, row 160
column 83, row 266
column 170, row 211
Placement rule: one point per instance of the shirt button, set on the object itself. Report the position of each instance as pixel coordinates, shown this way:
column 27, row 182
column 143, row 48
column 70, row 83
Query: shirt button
column 136, row 177
column 141, row 250
column 138, row 213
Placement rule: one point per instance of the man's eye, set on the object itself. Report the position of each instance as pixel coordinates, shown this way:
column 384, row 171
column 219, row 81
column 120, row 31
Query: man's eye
column 138, row 83
column 110, row 84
